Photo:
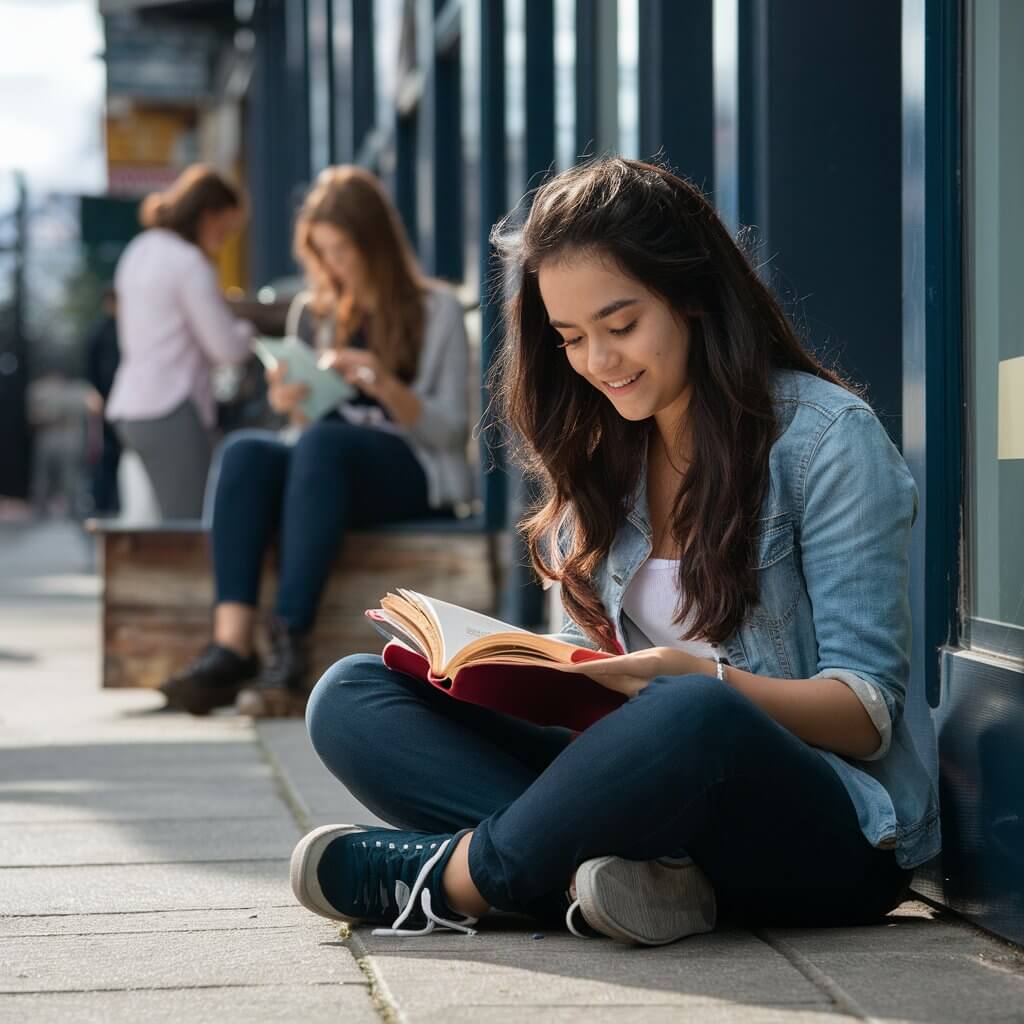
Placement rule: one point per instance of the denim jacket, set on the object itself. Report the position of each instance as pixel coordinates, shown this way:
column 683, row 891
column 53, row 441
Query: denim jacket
column 832, row 557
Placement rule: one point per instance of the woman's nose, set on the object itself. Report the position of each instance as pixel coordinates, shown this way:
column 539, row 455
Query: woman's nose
column 600, row 357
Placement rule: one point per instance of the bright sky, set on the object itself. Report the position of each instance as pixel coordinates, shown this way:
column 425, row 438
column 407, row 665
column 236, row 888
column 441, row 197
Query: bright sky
column 51, row 93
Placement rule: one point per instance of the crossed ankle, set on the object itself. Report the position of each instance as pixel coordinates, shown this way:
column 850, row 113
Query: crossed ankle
column 456, row 883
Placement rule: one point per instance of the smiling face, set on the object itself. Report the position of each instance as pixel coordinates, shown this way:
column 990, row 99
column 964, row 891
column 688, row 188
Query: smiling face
column 621, row 338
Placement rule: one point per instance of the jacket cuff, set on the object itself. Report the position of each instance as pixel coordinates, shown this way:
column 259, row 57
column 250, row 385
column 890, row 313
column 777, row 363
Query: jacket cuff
column 873, row 701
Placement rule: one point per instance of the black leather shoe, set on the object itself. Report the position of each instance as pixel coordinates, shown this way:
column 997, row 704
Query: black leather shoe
column 211, row 681
column 281, row 689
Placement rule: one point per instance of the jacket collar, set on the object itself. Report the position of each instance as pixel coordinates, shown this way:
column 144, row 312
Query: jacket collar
column 639, row 512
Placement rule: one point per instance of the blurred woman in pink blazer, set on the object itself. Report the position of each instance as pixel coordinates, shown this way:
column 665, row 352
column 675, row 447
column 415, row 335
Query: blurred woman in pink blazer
column 174, row 325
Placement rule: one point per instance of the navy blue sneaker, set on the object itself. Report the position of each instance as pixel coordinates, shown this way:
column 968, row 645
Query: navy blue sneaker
column 358, row 874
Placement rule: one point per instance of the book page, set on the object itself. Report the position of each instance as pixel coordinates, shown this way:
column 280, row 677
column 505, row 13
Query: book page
column 457, row 627
column 392, row 628
column 414, row 620
column 520, row 649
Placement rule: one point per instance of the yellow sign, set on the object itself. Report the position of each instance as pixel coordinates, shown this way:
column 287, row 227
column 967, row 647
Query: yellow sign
column 146, row 137
column 1011, row 408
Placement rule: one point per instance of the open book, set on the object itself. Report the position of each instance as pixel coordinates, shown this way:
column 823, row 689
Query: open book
column 484, row 661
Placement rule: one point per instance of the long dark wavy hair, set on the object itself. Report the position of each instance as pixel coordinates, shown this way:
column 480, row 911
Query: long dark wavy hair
column 660, row 231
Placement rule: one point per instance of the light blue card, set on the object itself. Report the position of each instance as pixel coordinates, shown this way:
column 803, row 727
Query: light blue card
column 327, row 389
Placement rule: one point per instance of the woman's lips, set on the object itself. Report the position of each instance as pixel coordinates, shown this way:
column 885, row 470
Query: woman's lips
column 625, row 389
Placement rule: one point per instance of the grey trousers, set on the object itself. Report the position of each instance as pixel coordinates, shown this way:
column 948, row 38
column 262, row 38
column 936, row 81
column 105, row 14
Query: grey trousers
column 176, row 450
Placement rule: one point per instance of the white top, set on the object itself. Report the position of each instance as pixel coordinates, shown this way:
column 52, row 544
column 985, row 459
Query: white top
column 651, row 602
column 173, row 325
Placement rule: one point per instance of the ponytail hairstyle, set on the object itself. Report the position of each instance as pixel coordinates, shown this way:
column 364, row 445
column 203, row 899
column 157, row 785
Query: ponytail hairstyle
column 660, row 231
column 180, row 208
column 353, row 201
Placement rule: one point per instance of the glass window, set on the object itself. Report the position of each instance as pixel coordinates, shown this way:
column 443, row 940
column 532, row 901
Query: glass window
column 515, row 99
column 471, row 74
column 565, row 83
column 995, row 328
column 320, row 98
column 629, row 82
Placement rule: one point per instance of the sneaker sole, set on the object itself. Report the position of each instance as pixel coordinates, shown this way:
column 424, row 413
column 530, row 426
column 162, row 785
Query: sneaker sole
column 650, row 903
column 305, row 858
column 196, row 702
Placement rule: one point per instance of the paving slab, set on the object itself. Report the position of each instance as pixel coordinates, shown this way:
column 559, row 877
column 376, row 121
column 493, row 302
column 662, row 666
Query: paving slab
column 45, row 548
column 276, row 956
column 914, row 928
column 49, row 844
column 133, row 888
column 205, row 760
column 265, row 1004
column 72, row 800
column 649, row 1013
column 113, row 717
column 505, row 966
column 318, row 797
column 164, row 922
column 921, row 964
column 940, row 989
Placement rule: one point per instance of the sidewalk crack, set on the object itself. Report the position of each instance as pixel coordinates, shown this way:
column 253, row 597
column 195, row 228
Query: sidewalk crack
column 842, row 999
column 384, row 1003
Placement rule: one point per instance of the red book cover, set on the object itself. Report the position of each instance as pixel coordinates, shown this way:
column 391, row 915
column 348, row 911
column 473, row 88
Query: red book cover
column 541, row 695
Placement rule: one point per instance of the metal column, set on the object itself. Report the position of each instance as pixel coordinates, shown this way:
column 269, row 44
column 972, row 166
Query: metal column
column 277, row 135
column 676, row 95
column 493, row 186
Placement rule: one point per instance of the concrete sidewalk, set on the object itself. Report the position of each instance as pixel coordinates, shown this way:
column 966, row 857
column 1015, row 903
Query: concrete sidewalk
column 143, row 876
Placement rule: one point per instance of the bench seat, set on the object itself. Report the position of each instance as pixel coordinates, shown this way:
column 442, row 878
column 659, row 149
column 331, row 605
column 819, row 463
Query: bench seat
column 158, row 589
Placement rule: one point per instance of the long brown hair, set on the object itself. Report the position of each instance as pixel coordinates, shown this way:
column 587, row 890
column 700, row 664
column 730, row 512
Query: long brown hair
column 180, row 208
column 352, row 200
column 660, row 231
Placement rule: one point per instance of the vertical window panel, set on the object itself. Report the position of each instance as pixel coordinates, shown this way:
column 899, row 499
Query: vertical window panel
column 995, row 322
column 629, row 85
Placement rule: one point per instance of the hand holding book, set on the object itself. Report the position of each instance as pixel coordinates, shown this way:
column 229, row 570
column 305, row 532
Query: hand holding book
column 484, row 661
column 628, row 674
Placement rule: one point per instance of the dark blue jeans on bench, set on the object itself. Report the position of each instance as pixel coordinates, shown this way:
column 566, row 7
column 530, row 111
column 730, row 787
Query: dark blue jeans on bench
column 336, row 476
column 689, row 766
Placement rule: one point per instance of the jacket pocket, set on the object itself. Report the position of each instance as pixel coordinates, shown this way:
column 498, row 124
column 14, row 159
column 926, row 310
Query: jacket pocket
column 778, row 579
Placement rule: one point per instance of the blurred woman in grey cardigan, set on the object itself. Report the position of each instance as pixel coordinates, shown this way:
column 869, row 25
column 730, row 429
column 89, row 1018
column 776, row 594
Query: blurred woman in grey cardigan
column 395, row 451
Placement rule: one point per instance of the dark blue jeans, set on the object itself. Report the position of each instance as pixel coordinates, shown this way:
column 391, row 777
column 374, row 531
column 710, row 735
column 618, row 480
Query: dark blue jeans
column 688, row 766
column 336, row 476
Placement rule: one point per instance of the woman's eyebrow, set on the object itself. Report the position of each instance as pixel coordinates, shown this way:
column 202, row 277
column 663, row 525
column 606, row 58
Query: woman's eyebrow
column 612, row 307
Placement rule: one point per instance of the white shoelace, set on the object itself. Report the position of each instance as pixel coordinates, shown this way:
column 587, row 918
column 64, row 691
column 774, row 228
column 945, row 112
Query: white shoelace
column 418, row 890
column 568, row 920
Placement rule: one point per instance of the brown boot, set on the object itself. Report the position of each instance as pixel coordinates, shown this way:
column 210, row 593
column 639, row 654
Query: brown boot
column 281, row 689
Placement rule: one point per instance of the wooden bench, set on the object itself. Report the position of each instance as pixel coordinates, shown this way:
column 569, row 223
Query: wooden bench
column 158, row 589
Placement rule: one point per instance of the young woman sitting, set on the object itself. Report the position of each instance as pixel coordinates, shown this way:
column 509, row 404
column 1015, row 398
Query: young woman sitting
column 397, row 451
column 733, row 520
